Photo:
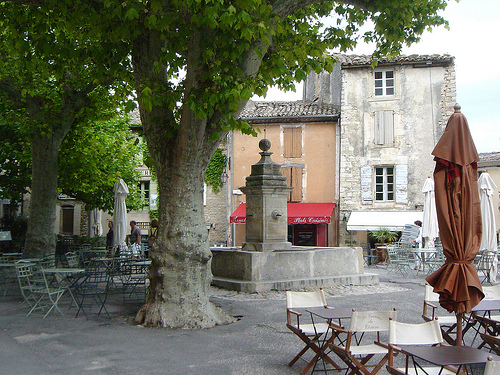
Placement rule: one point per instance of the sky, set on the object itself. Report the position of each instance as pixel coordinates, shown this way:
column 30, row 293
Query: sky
column 473, row 41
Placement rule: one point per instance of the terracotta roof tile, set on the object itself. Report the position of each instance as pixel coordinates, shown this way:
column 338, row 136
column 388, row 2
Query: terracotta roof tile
column 489, row 159
column 366, row 60
column 299, row 108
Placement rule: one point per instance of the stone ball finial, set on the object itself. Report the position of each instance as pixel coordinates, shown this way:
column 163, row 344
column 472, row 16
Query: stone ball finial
column 457, row 108
column 265, row 144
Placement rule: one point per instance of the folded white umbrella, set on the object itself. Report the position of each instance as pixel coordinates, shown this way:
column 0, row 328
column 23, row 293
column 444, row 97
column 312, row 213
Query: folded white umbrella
column 487, row 188
column 97, row 222
column 430, row 228
column 120, row 214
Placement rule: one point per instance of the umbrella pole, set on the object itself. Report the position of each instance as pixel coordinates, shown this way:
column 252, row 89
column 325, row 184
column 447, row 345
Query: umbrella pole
column 458, row 341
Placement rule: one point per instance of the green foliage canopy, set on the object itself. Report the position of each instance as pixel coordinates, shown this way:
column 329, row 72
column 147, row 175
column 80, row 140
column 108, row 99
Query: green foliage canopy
column 215, row 169
column 94, row 157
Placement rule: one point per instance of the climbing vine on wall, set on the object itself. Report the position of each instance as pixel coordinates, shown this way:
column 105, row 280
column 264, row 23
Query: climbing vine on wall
column 215, row 169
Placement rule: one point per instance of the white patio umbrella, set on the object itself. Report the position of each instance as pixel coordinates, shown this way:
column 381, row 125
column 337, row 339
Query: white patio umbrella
column 489, row 239
column 120, row 214
column 97, row 226
column 430, row 228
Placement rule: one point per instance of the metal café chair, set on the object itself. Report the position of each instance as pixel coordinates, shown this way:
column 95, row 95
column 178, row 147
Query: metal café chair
column 24, row 272
column 483, row 262
column 92, row 291
column 71, row 259
column 36, row 289
column 134, row 278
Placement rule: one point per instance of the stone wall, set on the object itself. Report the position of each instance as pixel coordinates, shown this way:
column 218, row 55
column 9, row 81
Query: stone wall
column 252, row 271
column 216, row 216
column 422, row 105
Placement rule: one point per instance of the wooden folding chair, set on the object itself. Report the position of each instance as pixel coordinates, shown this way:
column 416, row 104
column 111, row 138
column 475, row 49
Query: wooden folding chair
column 401, row 334
column 310, row 333
column 492, row 367
column 355, row 354
column 448, row 323
column 490, row 342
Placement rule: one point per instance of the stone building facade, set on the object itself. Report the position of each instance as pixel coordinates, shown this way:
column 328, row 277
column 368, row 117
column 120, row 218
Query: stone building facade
column 391, row 118
column 304, row 141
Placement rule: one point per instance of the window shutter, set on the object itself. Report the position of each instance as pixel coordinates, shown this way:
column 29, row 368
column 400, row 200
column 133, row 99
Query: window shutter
column 384, row 127
column 401, row 183
column 379, row 128
column 287, row 172
column 296, row 194
column 293, row 179
column 388, row 127
column 292, row 139
column 366, row 184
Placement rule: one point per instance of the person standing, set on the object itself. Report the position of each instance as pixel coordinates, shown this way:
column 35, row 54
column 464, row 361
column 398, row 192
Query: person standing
column 109, row 236
column 417, row 242
column 135, row 239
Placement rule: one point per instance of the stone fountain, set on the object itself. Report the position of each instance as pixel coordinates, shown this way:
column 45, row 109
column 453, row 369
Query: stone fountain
column 267, row 261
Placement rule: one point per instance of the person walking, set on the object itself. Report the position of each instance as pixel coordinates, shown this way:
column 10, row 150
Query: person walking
column 135, row 239
column 417, row 242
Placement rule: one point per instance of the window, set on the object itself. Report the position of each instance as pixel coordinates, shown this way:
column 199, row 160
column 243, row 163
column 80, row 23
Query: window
column 384, row 83
column 391, row 184
column 292, row 142
column 384, row 184
column 68, row 217
column 144, row 188
column 384, row 127
column 294, row 179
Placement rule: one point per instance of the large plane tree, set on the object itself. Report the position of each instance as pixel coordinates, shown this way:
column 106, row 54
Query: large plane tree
column 195, row 65
column 56, row 72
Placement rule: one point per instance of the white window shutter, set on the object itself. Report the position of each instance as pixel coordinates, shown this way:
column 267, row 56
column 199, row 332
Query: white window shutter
column 384, row 128
column 379, row 128
column 366, row 184
column 388, row 127
column 401, row 183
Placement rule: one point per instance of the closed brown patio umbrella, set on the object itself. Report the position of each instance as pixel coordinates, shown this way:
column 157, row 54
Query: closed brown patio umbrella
column 459, row 217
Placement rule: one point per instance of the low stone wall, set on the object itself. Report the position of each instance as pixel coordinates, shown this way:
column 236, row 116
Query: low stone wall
column 301, row 267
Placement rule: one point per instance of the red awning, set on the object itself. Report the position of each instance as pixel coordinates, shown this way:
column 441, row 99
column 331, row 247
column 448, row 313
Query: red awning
column 298, row 213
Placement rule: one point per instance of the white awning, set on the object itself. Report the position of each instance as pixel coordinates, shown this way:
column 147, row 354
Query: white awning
column 373, row 220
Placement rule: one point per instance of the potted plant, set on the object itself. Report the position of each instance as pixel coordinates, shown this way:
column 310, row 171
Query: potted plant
column 382, row 236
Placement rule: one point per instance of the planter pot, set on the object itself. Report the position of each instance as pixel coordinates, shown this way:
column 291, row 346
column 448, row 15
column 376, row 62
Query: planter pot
column 381, row 249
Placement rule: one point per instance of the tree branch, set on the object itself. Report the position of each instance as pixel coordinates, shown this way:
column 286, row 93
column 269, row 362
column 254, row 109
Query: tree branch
column 8, row 86
column 284, row 8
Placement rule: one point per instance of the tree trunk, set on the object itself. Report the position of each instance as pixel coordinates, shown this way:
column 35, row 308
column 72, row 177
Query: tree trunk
column 180, row 273
column 40, row 236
